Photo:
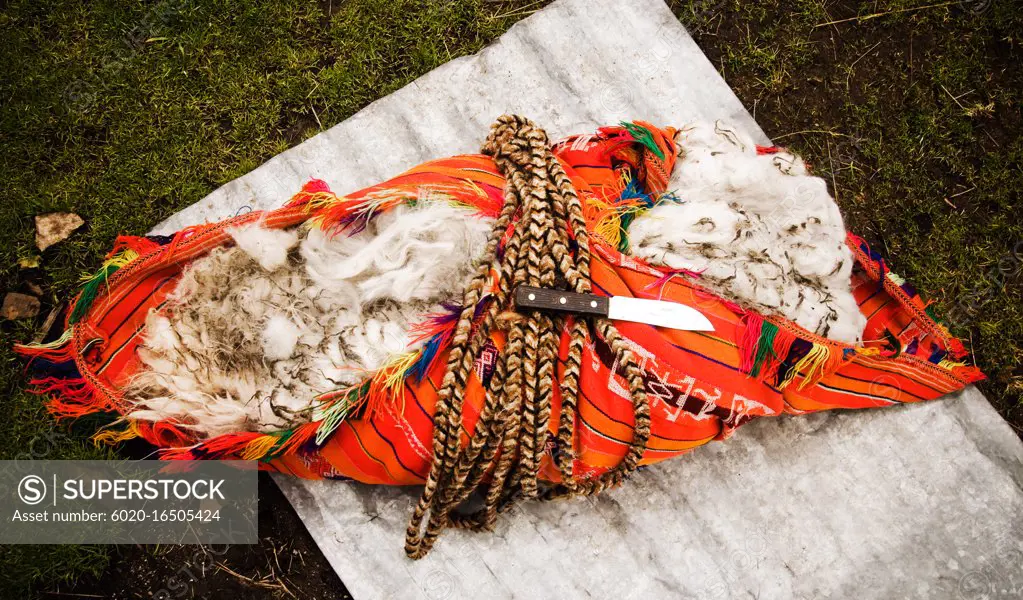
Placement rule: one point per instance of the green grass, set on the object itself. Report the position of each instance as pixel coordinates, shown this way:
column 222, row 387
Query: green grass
column 126, row 112
column 914, row 118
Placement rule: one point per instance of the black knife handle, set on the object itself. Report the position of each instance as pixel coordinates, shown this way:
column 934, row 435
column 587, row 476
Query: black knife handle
column 557, row 300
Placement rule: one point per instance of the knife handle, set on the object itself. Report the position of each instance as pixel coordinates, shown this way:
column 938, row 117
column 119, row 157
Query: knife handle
column 547, row 299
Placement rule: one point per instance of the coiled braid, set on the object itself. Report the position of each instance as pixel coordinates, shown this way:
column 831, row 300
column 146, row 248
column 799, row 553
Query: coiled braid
column 531, row 244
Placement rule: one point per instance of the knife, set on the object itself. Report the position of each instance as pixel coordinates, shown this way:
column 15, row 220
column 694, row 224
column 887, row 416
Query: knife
column 659, row 313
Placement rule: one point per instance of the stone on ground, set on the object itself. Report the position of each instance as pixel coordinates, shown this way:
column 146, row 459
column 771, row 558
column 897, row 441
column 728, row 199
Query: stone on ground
column 19, row 306
column 54, row 228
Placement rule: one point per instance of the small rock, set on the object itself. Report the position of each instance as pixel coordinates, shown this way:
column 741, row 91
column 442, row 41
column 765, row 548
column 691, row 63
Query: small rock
column 55, row 227
column 36, row 289
column 19, row 306
column 29, row 262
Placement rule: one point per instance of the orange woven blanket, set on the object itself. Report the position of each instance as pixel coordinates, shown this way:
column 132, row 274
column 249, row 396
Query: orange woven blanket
column 700, row 385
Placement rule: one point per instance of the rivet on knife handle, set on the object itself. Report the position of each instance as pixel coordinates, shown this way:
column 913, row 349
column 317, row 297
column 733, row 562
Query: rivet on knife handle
column 548, row 299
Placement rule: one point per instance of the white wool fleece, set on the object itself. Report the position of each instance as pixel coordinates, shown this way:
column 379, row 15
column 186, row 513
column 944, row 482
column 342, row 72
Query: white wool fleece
column 254, row 332
column 268, row 247
column 765, row 233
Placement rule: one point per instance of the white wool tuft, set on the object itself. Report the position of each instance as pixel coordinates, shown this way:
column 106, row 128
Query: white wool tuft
column 280, row 336
column 268, row 247
column 253, row 333
column 249, row 338
column 764, row 233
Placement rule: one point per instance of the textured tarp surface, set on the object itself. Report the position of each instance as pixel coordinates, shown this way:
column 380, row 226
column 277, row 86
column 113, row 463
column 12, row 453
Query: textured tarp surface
column 923, row 501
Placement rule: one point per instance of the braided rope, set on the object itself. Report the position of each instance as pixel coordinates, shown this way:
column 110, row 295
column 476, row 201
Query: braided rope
column 504, row 453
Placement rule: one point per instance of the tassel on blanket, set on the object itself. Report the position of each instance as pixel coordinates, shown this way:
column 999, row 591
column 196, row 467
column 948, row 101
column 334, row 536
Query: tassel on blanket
column 339, row 405
column 637, row 202
column 650, row 150
column 386, row 385
column 71, row 397
column 313, row 190
column 668, row 275
column 750, row 341
column 259, row 447
column 780, row 348
column 611, row 219
column 94, row 283
column 819, row 361
column 294, row 439
column 161, row 434
column 762, row 347
column 317, row 197
column 228, row 445
column 337, row 215
column 765, row 348
column 642, row 134
column 247, row 446
column 434, row 334
column 111, row 436
column 57, row 351
column 344, row 216
column 138, row 244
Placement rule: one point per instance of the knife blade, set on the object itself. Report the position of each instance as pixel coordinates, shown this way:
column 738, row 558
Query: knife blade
column 659, row 313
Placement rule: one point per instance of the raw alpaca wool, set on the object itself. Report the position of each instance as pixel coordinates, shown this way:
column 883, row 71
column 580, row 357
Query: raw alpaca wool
column 760, row 229
column 253, row 332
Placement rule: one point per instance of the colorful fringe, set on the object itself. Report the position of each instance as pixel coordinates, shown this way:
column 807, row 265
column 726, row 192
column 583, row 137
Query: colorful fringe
column 94, row 282
column 335, row 407
column 771, row 353
column 73, row 397
column 341, row 215
column 667, row 276
column 764, row 349
column 644, row 135
column 611, row 219
column 620, row 172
